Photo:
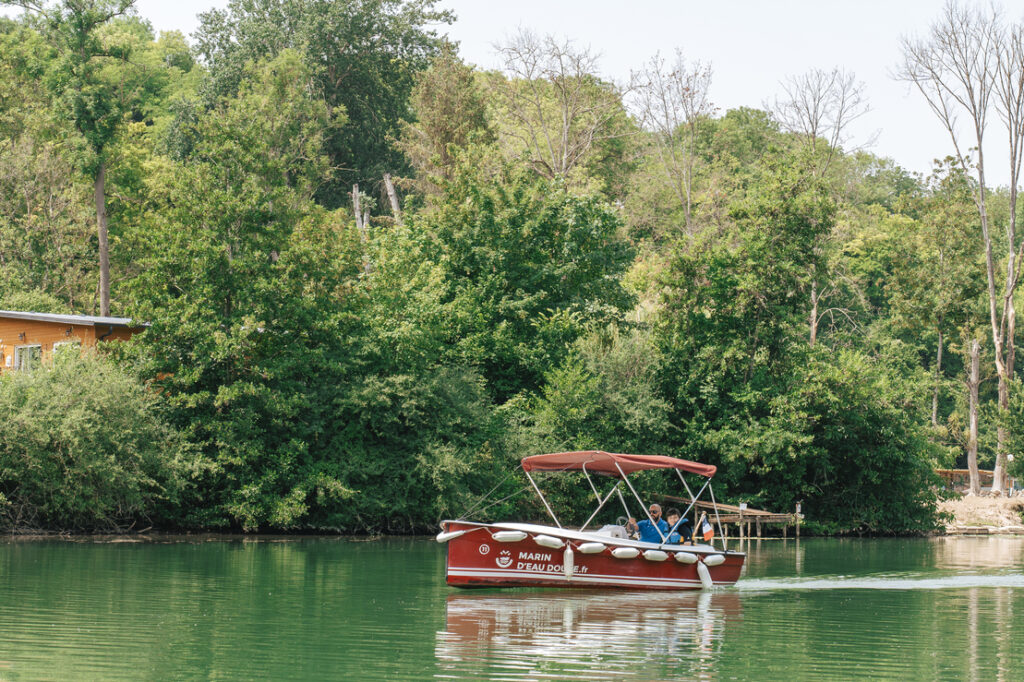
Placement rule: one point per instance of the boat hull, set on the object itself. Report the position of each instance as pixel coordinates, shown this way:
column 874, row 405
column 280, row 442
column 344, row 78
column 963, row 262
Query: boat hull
column 476, row 558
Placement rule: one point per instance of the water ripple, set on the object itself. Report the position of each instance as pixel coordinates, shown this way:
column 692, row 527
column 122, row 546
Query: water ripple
column 883, row 582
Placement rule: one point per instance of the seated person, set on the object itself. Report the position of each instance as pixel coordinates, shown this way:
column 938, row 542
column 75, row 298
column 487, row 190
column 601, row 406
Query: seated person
column 679, row 531
column 649, row 531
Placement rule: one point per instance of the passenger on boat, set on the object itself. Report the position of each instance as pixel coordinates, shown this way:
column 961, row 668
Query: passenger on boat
column 648, row 531
column 680, row 532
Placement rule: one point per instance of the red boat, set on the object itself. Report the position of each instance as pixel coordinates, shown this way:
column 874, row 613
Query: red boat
column 526, row 554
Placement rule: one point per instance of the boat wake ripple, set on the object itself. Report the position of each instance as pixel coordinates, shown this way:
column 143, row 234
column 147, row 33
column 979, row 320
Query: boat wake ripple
column 883, row 582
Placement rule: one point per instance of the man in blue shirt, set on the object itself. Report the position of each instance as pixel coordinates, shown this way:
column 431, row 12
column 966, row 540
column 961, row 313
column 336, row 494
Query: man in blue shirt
column 648, row 531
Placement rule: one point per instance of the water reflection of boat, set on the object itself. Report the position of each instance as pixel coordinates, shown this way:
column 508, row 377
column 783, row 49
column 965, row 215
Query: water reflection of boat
column 522, row 554
column 541, row 630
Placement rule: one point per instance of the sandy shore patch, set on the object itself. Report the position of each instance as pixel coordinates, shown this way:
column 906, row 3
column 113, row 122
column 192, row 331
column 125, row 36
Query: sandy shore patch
column 1003, row 513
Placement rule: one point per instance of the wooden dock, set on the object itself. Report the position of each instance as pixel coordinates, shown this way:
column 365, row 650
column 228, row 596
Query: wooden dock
column 746, row 519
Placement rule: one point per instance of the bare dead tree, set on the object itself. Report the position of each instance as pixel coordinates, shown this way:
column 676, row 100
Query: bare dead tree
column 973, row 381
column 560, row 108
column 1009, row 104
column 968, row 59
column 819, row 106
column 396, row 209
column 670, row 100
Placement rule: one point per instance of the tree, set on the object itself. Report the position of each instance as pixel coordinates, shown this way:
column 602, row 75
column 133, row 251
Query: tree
column 721, row 286
column 727, row 319
column 45, row 227
column 671, row 101
column 247, row 297
column 731, row 151
column 605, row 394
column 835, row 427
column 450, row 111
column 525, row 265
column 968, row 59
column 818, row 107
column 560, row 112
column 91, row 93
column 365, row 53
column 934, row 287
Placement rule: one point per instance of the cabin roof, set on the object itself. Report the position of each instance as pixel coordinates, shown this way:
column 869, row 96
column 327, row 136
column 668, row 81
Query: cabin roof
column 84, row 320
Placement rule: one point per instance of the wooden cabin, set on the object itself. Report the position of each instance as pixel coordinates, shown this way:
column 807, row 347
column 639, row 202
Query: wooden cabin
column 960, row 479
column 30, row 339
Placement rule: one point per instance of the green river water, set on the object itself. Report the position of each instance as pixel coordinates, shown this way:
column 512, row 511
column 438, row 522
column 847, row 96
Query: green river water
column 331, row 608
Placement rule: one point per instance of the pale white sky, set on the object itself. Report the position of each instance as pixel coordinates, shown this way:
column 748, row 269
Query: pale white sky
column 751, row 45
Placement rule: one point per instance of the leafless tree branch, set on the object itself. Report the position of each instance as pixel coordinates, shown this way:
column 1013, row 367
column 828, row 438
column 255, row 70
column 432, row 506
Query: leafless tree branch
column 819, row 106
column 561, row 108
column 670, row 100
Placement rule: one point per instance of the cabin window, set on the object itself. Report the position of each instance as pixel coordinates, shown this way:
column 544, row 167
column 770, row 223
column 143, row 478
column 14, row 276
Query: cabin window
column 27, row 358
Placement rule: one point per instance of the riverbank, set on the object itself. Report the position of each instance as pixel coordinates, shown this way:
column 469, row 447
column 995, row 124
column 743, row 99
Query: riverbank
column 970, row 515
column 980, row 515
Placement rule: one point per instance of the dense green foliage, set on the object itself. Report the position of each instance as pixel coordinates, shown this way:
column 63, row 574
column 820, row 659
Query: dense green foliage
column 366, row 53
column 84, row 446
column 378, row 374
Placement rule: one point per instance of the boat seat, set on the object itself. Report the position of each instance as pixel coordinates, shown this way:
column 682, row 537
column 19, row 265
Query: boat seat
column 612, row 531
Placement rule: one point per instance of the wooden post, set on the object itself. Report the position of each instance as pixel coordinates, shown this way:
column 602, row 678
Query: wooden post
column 759, row 530
column 798, row 520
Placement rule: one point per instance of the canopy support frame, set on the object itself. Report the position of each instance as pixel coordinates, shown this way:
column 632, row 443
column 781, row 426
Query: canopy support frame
column 543, row 499
column 693, row 501
column 601, row 504
column 592, row 486
column 642, row 505
column 718, row 519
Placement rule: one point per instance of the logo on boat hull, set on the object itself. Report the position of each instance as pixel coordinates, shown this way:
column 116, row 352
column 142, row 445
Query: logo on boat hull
column 485, row 549
column 504, row 559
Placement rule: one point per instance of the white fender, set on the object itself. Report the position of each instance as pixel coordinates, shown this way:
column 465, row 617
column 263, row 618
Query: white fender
column 450, row 535
column 714, row 560
column 568, row 563
column 705, row 576
column 548, row 541
column 655, row 555
column 625, row 552
column 509, row 535
column 592, row 547
column 686, row 558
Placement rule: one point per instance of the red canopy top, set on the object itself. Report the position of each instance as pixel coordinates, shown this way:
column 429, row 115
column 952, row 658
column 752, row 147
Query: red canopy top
column 605, row 463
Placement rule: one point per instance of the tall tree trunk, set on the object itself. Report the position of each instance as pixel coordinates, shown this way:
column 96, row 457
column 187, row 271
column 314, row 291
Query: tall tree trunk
column 972, row 407
column 938, row 377
column 999, row 470
column 101, row 229
column 998, row 347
